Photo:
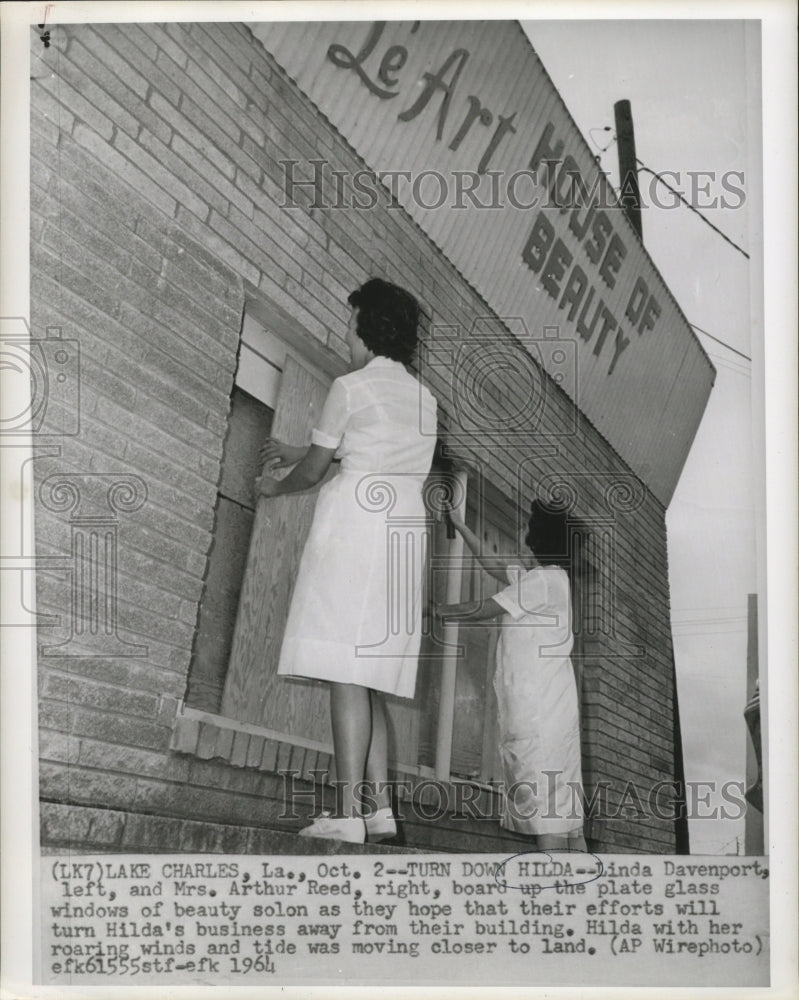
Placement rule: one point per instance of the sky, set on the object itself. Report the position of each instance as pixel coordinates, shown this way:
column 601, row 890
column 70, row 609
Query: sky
column 689, row 84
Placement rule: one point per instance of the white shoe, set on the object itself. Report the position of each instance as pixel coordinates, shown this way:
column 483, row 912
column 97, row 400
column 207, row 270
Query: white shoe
column 380, row 825
column 326, row 827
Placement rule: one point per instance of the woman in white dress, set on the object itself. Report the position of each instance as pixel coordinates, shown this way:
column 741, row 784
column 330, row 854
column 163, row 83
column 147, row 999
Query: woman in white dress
column 355, row 616
column 538, row 716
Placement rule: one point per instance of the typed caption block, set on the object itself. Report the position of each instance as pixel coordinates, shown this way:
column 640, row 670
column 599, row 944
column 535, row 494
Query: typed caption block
column 533, row 919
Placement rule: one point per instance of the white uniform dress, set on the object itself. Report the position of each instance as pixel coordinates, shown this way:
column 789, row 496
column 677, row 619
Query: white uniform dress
column 355, row 614
column 539, row 727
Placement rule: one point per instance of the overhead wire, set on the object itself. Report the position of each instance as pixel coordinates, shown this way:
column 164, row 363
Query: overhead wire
column 665, row 183
column 643, row 166
column 722, row 342
column 684, row 200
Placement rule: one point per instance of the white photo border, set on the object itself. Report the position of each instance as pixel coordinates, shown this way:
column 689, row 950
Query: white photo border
column 774, row 367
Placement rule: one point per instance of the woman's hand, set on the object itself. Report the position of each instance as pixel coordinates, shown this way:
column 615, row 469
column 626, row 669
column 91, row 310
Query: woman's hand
column 307, row 474
column 276, row 454
column 468, row 611
column 266, row 486
column 445, row 612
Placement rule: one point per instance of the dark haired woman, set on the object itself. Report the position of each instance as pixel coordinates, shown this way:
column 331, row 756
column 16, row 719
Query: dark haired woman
column 539, row 730
column 355, row 617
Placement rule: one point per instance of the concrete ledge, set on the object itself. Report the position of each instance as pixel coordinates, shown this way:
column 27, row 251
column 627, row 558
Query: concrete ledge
column 69, row 829
column 242, row 745
column 212, row 737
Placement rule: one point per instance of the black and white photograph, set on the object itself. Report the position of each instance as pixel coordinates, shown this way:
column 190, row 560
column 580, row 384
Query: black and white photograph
column 399, row 532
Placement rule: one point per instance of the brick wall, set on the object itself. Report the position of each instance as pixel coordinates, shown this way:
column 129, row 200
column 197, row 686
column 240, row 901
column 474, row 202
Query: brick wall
column 156, row 194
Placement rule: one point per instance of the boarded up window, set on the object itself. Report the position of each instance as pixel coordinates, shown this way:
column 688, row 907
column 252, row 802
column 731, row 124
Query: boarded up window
column 254, row 693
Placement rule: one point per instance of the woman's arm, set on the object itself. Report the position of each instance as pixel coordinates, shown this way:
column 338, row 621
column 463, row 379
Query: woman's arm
column 311, row 470
column 469, row 611
column 495, row 566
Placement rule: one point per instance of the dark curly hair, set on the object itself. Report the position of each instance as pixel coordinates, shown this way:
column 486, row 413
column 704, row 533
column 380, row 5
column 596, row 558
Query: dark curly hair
column 388, row 319
column 548, row 535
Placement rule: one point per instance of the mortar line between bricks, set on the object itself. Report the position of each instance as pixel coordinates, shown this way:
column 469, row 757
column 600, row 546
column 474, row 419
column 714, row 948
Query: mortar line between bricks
column 103, row 91
column 43, row 277
column 129, row 250
column 57, row 152
column 90, row 275
column 188, row 520
column 154, row 446
column 159, row 742
column 153, row 840
column 54, row 608
column 155, row 693
column 214, row 109
column 136, row 411
column 114, row 63
column 168, row 563
column 136, row 633
column 116, row 319
column 66, row 673
column 97, row 418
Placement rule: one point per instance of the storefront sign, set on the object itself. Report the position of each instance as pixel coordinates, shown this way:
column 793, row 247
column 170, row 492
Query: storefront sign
column 463, row 126
column 379, row 67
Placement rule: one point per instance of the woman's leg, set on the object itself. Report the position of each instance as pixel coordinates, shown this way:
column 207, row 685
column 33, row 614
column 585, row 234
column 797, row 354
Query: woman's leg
column 377, row 758
column 577, row 840
column 351, row 715
column 572, row 841
column 552, row 842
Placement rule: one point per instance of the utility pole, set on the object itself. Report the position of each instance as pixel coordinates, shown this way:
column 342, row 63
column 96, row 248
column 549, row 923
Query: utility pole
column 753, row 829
column 628, row 165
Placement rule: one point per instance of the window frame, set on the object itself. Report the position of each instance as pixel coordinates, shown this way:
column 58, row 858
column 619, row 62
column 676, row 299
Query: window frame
column 268, row 336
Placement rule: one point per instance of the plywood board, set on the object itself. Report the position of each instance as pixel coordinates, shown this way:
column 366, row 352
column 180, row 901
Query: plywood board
column 253, row 690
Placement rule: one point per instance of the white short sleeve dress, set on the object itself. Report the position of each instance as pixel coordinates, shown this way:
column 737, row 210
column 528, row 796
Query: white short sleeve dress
column 538, row 717
column 355, row 614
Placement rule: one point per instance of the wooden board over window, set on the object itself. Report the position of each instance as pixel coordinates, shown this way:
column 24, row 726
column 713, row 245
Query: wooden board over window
column 253, row 691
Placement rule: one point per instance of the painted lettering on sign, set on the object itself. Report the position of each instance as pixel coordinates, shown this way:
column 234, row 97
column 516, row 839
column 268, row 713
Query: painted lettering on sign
column 441, row 84
column 563, row 260
column 562, row 277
